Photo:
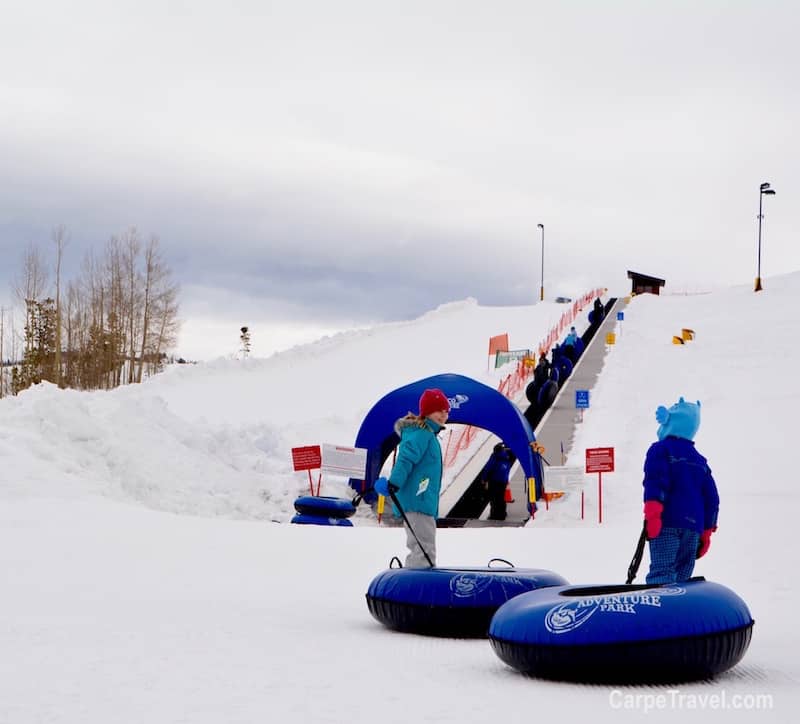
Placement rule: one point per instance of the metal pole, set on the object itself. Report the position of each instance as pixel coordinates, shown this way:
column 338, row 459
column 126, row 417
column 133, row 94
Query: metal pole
column 636, row 561
column 758, row 272
column 763, row 190
column 541, row 289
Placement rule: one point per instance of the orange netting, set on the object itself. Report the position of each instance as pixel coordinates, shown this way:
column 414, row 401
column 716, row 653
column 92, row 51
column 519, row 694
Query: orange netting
column 516, row 381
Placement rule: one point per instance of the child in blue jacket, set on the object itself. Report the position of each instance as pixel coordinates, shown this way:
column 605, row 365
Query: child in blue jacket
column 681, row 502
column 416, row 478
column 571, row 339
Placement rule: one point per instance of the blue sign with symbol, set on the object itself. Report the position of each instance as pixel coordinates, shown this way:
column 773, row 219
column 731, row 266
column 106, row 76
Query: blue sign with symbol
column 582, row 399
column 620, row 316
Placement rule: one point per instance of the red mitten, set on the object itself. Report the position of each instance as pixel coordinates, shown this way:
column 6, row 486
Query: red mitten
column 652, row 517
column 705, row 542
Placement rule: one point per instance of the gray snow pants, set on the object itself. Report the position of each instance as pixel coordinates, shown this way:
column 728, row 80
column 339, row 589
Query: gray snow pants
column 425, row 528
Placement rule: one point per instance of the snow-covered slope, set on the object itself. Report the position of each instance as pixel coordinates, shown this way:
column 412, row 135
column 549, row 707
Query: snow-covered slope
column 215, row 438
column 113, row 612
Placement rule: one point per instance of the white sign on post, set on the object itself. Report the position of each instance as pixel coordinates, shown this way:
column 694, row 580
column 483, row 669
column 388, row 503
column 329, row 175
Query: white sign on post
column 341, row 460
column 565, row 477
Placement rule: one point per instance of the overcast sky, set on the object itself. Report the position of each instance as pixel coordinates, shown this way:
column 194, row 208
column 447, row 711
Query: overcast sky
column 311, row 165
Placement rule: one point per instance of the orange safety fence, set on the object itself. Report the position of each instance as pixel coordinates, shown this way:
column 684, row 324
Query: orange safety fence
column 513, row 383
column 463, row 441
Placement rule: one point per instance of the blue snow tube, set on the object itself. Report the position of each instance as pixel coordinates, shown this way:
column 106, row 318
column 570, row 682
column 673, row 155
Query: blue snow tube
column 547, row 394
column 579, row 347
column 595, row 319
column 565, row 368
column 454, row 602
column 627, row 634
column 325, row 506
column 303, row 519
column 569, row 351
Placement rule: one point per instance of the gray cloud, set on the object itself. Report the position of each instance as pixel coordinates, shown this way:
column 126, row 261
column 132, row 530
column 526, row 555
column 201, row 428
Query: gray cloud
column 350, row 162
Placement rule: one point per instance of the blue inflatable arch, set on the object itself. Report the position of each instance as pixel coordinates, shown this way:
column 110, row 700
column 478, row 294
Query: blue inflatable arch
column 471, row 403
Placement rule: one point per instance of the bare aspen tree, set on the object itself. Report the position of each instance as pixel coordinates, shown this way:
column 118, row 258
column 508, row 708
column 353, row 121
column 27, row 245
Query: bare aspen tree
column 94, row 350
column 149, row 264
column 165, row 314
column 155, row 279
column 116, row 343
column 112, row 325
column 60, row 240
column 14, row 356
column 30, row 283
column 75, row 325
column 132, row 248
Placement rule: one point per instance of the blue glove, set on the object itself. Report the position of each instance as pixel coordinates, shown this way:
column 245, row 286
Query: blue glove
column 382, row 487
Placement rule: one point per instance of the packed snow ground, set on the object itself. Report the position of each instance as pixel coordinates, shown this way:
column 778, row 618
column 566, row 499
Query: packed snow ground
column 145, row 580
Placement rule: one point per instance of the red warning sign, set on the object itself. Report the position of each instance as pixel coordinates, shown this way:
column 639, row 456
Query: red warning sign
column 600, row 460
column 307, row 458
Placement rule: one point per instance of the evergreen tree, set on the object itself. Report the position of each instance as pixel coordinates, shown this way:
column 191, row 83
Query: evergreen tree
column 40, row 344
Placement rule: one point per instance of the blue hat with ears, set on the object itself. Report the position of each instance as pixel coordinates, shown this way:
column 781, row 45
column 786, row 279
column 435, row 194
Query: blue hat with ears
column 680, row 420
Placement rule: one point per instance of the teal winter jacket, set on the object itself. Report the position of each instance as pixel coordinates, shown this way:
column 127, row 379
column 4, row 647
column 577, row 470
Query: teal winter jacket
column 417, row 470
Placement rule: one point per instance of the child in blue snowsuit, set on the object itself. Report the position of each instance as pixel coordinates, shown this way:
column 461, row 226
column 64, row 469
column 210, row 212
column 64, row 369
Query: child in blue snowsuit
column 681, row 502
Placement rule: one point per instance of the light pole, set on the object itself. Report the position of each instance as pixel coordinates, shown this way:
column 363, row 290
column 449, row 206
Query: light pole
column 763, row 189
column 541, row 289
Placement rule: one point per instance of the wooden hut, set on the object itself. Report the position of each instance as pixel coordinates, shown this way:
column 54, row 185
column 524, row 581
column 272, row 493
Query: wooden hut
column 644, row 284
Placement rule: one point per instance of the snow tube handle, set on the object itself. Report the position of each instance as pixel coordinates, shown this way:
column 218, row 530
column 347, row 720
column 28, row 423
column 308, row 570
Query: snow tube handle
column 501, row 560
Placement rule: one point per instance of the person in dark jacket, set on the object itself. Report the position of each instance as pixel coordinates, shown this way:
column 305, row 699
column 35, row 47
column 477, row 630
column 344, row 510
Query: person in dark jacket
column 495, row 479
column 599, row 311
column 541, row 373
column 681, row 502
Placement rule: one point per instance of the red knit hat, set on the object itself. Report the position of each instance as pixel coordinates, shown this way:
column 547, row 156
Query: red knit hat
column 433, row 401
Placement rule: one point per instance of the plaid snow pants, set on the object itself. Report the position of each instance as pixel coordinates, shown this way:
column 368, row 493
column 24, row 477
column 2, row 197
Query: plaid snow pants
column 672, row 555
